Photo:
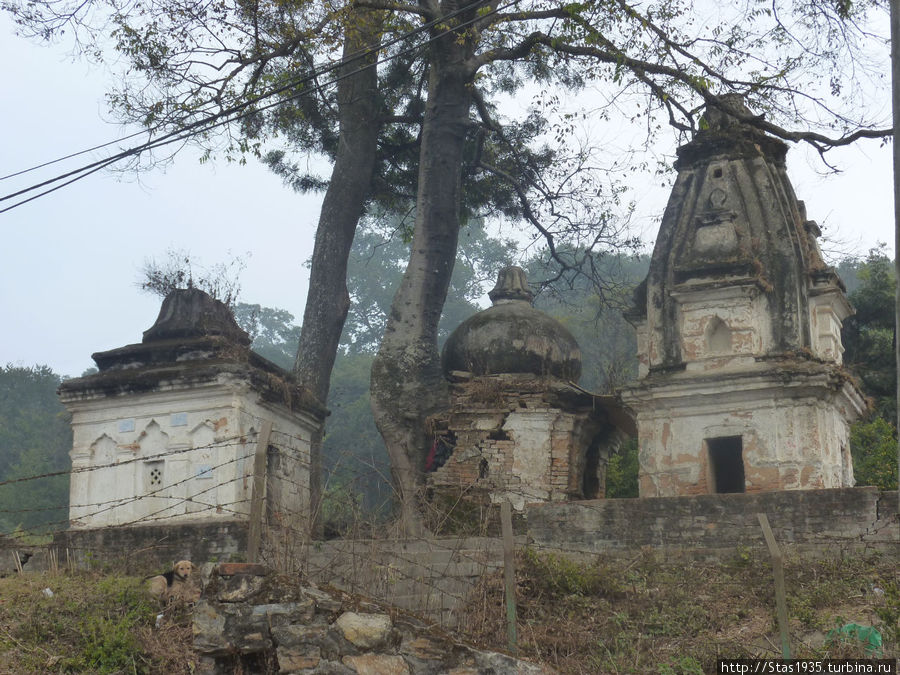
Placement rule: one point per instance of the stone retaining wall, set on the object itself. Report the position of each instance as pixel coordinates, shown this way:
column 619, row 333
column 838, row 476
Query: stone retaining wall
column 816, row 519
column 155, row 545
column 432, row 576
column 139, row 548
column 436, row 576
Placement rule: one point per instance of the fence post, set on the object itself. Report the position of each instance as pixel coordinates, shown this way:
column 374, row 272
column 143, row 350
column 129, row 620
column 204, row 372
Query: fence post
column 509, row 575
column 257, row 491
column 780, row 596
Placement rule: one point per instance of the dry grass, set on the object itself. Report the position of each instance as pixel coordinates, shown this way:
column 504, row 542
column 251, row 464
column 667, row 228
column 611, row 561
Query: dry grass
column 91, row 623
column 599, row 615
column 678, row 617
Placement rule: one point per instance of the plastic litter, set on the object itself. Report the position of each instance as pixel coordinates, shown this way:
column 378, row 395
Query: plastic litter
column 869, row 636
column 47, row 593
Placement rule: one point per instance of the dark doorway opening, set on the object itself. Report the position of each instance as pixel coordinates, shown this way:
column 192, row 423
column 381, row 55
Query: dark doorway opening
column 726, row 463
column 590, row 479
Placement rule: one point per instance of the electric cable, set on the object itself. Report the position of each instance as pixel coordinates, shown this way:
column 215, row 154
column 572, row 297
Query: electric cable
column 290, row 83
column 225, row 117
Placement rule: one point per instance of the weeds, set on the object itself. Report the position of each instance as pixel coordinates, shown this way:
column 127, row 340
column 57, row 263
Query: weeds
column 559, row 575
column 677, row 617
column 888, row 612
column 687, row 665
column 87, row 623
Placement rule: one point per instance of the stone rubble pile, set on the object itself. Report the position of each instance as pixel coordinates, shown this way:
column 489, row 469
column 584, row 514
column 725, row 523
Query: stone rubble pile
column 252, row 620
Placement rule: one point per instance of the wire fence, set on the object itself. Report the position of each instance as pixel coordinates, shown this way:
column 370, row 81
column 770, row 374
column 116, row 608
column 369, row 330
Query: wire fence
column 450, row 572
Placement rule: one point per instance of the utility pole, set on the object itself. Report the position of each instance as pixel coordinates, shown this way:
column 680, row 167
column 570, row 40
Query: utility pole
column 895, row 105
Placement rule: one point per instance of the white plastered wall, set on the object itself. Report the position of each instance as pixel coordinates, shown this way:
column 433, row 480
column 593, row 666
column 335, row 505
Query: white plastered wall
column 788, row 441
column 177, row 453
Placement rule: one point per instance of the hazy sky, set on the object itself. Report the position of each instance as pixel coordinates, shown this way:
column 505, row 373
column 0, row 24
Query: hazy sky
column 69, row 261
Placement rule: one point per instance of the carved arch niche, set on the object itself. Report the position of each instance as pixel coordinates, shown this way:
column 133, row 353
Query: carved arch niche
column 86, row 485
column 101, row 451
column 203, row 436
column 153, row 440
column 718, row 337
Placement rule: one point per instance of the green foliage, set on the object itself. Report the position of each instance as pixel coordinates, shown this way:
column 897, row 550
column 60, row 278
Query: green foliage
column 743, row 557
column 869, row 351
column 868, row 335
column 375, row 268
column 353, row 451
column 341, row 512
column 108, row 644
column 685, row 665
column 35, row 439
column 873, row 444
column 622, row 471
column 89, row 624
column 273, row 331
column 607, row 341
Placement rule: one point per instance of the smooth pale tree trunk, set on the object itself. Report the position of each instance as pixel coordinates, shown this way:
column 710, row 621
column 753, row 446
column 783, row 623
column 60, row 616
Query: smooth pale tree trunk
column 328, row 300
column 407, row 384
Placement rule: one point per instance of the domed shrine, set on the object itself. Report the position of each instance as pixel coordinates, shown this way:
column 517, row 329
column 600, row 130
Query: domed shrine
column 512, row 337
column 519, row 428
column 741, row 386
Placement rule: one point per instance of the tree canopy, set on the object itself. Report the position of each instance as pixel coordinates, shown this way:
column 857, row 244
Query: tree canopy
column 411, row 98
column 868, row 338
column 35, row 439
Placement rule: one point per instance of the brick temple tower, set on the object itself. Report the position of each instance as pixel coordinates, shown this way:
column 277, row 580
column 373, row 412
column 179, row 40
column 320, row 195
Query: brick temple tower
column 519, row 428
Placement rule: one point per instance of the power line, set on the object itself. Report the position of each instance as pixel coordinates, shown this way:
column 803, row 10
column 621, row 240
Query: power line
column 80, row 152
column 224, row 117
column 359, row 54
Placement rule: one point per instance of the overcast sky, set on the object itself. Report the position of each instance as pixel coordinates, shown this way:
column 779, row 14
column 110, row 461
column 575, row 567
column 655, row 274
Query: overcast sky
column 69, row 261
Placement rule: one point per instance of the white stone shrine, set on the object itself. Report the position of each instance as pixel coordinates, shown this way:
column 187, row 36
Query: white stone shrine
column 167, row 430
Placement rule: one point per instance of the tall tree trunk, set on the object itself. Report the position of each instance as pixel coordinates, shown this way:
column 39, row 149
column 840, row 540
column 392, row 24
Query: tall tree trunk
column 407, row 384
column 328, row 300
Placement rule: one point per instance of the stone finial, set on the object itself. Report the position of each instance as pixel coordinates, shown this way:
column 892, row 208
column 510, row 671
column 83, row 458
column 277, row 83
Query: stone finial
column 721, row 116
column 512, row 285
column 191, row 313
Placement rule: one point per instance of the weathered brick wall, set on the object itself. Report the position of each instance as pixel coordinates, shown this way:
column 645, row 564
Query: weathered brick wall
column 810, row 518
column 518, row 437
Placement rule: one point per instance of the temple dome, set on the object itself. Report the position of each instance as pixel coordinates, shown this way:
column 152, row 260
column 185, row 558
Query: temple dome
column 512, row 337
